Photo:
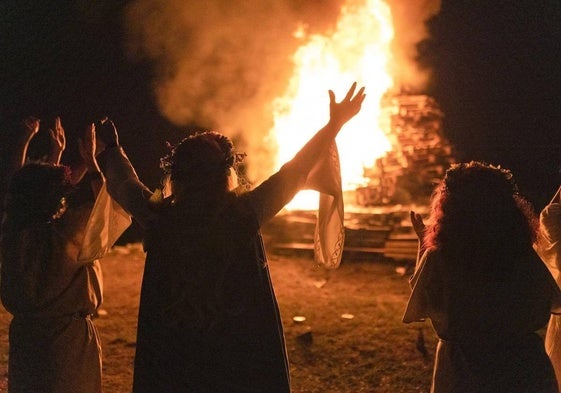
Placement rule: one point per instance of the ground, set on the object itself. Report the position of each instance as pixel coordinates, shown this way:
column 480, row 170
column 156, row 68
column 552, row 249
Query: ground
column 352, row 339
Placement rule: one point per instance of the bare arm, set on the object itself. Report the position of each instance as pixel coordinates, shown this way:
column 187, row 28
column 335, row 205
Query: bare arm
column 123, row 183
column 15, row 151
column 419, row 228
column 86, row 146
column 28, row 128
column 276, row 192
column 339, row 114
column 58, row 142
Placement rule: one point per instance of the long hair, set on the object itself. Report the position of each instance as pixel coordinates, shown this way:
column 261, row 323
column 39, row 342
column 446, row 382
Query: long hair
column 477, row 209
column 33, row 203
column 193, row 233
column 200, row 165
column 35, row 194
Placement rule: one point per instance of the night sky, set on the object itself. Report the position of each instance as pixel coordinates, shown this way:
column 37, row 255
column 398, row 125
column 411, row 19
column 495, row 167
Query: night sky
column 495, row 68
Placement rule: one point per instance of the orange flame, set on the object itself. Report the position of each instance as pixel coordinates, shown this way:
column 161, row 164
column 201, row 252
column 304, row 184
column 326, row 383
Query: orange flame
column 357, row 50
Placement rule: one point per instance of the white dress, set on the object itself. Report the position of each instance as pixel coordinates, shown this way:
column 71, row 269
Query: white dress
column 52, row 284
column 486, row 326
column 549, row 248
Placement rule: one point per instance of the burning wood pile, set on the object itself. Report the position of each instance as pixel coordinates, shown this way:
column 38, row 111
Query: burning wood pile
column 390, row 154
column 377, row 214
column 381, row 232
column 419, row 156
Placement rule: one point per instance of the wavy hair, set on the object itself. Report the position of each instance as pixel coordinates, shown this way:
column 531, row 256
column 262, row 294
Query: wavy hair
column 201, row 163
column 35, row 194
column 33, row 203
column 477, row 209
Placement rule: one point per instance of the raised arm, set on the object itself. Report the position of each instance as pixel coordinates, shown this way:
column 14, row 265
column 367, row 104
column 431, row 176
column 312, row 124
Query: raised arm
column 548, row 244
column 86, row 146
column 123, row 183
column 277, row 191
column 57, row 141
column 339, row 114
column 14, row 151
column 419, row 228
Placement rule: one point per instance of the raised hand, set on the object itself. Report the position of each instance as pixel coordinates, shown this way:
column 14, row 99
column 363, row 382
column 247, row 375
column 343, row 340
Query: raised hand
column 418, row 224
column 58, row 141
column 15, row 154
column 86, row 147
column 107, row 135
column 342, row 112
column 29, row 127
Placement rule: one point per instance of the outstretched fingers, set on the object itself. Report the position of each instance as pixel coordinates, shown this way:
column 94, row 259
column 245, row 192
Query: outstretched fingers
column 351, row 92
column 359, row 95
column 331, row 97
column 418, row 224
column 350, row 96
column 30, row 126
column 57, row 135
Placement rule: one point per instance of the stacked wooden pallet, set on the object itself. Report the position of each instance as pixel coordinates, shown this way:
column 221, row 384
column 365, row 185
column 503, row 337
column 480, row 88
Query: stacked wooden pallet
column 385, row 233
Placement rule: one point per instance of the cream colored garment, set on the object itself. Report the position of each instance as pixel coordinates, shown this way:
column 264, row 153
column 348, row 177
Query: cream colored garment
column 329, row 235
column 55, row 341
column 549, row 249
column 418, row 305
column 106, row 223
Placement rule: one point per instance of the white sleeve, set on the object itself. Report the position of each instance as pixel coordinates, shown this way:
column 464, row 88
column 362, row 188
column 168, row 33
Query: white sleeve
column 329, row 234
column 106, row 223
column 548, row 245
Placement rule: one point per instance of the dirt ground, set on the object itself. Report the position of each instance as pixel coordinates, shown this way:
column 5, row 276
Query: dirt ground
column 352, row 339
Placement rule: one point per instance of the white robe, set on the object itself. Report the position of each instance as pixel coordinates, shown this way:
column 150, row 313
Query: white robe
column 549, row 249
column 54, row 345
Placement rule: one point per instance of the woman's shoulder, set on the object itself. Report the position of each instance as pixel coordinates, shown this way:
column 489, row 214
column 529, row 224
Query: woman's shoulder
column 431, row 254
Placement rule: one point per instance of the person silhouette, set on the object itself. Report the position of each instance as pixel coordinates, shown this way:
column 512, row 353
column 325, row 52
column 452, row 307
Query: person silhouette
column 50, row 271
column 482, row 285
column 208, row 318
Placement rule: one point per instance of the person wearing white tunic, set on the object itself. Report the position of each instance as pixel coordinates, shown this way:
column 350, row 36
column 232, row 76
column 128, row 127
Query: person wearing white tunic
column 549, row 248
column 208, row 318
column 482, row 285
column 51, row 277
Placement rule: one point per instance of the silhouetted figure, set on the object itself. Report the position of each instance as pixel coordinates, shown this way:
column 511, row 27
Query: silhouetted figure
column 208, row 319
column 482, row 285
column 50, row 273
column 549, row 248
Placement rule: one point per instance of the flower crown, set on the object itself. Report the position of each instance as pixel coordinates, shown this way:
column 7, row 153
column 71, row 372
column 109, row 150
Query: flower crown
column 231, row 159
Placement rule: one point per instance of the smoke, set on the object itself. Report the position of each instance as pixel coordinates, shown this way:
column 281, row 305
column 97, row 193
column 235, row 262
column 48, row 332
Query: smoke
column 409, row 17
column 219, row 64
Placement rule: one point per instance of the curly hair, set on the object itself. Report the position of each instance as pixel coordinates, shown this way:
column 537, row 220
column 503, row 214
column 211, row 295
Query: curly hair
column 201, row 162
column 477, row 208
column 35, row 194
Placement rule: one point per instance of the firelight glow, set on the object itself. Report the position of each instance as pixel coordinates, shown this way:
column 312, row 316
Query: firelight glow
column 357, row 50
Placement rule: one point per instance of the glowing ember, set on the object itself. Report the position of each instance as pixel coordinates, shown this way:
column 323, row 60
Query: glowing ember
column 358, row 50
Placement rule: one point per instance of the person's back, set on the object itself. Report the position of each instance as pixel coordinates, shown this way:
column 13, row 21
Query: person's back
column 208, row 319
column 51, row 278
column 482, row 303
column 548, row 247
column 483, row 286
column 206, row 284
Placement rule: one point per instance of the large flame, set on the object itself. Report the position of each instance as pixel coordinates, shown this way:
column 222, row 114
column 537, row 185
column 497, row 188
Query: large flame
column 357, row 50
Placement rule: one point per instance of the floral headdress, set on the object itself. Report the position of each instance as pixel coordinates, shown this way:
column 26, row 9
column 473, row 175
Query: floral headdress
column 201, row 155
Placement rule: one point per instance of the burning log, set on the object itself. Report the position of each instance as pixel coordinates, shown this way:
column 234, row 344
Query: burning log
column 419, row 156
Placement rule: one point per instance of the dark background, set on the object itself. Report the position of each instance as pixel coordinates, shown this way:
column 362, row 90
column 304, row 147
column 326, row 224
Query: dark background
column 495, row 65
column 498, row 80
